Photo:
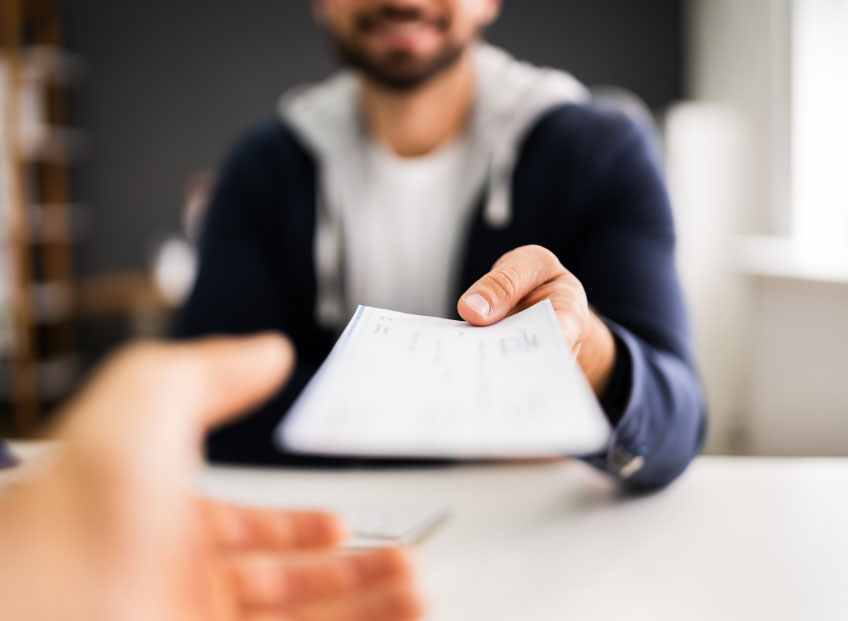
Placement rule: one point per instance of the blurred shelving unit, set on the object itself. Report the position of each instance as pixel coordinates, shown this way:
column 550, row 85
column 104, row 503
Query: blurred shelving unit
column 38, row 222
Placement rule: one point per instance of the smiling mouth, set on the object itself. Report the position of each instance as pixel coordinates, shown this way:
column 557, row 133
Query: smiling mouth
column 400, row 22
column 398, row 46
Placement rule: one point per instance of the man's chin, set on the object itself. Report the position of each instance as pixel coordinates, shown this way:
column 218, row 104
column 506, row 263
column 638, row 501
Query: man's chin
column 400, row 73
column 400, row 81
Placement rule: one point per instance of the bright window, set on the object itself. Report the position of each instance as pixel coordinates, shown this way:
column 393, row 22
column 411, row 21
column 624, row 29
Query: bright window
column 819, row 126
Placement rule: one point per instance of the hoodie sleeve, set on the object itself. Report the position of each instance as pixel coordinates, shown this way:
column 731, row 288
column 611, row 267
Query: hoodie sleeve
column 625, row 259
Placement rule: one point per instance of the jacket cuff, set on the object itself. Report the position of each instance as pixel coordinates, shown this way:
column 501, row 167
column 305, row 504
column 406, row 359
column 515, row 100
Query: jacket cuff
column 627, row 449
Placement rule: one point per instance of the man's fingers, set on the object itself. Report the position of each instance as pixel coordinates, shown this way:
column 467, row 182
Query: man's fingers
column 512, row 277
column 247, row 528
column 285, row 582
column 391, row 601
column 570, row 305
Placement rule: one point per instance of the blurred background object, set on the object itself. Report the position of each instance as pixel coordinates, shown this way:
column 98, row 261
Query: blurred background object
column 7, row 460
column 762, row 204
column 749, row 98
column 39, row 356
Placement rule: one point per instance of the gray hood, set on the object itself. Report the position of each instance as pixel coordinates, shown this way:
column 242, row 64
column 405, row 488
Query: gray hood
column 511, row 96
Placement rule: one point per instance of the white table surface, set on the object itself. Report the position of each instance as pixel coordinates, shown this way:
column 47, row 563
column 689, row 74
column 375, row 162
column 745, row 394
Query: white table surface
column 734, row 538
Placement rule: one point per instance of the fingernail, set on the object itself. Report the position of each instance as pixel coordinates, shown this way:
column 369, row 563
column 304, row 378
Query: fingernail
column 479, row 304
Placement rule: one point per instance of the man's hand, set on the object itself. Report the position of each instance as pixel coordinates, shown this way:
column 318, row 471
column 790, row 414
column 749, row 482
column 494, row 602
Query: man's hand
column 530, row 274
column 111, row 531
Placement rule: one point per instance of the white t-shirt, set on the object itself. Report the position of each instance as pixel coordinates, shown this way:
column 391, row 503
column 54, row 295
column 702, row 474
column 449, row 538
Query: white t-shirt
column 404, row 236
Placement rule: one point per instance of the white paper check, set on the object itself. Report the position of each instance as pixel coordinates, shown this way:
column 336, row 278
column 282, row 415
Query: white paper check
column 410, row 386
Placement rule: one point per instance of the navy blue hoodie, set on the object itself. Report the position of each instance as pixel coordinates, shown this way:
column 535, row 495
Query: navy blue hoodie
column 586, row 184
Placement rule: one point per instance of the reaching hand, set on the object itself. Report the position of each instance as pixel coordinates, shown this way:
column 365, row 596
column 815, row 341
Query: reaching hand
column 112, row 531
column 530, row 274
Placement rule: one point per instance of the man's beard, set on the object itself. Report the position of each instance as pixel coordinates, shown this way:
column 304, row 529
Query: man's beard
column 399, row 71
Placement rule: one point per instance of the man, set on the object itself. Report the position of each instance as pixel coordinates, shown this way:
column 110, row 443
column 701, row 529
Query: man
column 109, row 530
column 438, row 169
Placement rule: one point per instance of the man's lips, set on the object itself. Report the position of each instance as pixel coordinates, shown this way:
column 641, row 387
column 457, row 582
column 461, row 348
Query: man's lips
column 399, row 21
column 404, row 32
column 402, row 28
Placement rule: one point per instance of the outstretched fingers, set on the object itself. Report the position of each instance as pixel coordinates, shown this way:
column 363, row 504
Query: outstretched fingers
column 236, row 527
column 375, row 584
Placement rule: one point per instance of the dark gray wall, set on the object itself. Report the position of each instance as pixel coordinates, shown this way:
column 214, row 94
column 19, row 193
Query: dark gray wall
column 172, row 82
column 636, row 44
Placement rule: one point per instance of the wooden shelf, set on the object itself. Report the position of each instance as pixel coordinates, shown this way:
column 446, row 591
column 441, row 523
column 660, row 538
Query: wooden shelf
column 38, row 221
column 57, row 377
column 51, row 223
column 52, row 302
column 123, row 294
column 51, row 64
column 55, row 145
